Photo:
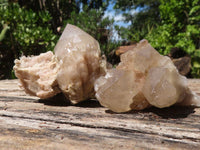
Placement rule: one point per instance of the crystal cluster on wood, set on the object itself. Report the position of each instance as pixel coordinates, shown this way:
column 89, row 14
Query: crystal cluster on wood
column 72, row 70
column 142, row 79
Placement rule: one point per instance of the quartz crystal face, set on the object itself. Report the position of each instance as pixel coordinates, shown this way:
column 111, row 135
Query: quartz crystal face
column 109, row 94
column 120, row 90
column 143, row 78
column 140, row 58
column 79, row 57
column 163, row 87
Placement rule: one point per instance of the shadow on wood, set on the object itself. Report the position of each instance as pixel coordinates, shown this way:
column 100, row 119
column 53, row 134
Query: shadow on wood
column 60, row 100
column 57, row 100
column 91, row 103
column 173, row 112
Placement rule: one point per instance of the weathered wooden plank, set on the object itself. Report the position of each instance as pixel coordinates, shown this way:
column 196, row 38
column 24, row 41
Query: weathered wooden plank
column 11, row 88
column 29, row 123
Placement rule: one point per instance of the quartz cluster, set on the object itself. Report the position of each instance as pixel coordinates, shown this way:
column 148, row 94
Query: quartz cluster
column 72, row 70
column 142, row 79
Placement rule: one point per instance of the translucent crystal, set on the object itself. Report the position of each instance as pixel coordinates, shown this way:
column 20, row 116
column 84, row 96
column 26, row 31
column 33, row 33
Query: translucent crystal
column 143, row 78
column 80, row 63
column 163, row 88
column 140, row 58
column 120, row 90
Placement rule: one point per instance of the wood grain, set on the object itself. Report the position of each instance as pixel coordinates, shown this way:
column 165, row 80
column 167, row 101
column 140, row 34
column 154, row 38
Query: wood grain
column 27, row 122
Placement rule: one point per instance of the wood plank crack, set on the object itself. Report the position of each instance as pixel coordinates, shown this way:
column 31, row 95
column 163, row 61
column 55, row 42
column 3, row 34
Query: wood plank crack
column 104, row 127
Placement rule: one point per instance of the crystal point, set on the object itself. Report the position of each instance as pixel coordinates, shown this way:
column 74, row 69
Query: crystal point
column 79, row 56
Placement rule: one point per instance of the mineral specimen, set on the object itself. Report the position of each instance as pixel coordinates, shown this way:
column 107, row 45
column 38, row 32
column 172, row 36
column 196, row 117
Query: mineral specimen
column 73, row 69
column 143, row 78
column 38, row 74
column 80, row 63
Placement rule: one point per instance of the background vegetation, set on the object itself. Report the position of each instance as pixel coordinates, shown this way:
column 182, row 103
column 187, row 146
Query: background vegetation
column 34, row 26
column 166, row 24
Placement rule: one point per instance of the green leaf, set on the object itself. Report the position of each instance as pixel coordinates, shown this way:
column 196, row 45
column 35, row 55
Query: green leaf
column 194, row 10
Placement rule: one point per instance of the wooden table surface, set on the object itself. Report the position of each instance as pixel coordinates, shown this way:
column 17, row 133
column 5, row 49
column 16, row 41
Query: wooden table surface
column 30, row 123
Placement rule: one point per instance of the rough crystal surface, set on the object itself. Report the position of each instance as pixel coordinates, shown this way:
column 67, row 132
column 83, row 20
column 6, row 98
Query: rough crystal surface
column 38, row 74
column 73, row 69
column 143, row 78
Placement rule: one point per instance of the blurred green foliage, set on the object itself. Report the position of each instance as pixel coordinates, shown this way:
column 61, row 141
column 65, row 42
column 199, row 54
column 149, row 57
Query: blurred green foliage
column 165, row 24
column 29, row 34
column 143, row 16
column 180, row 27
